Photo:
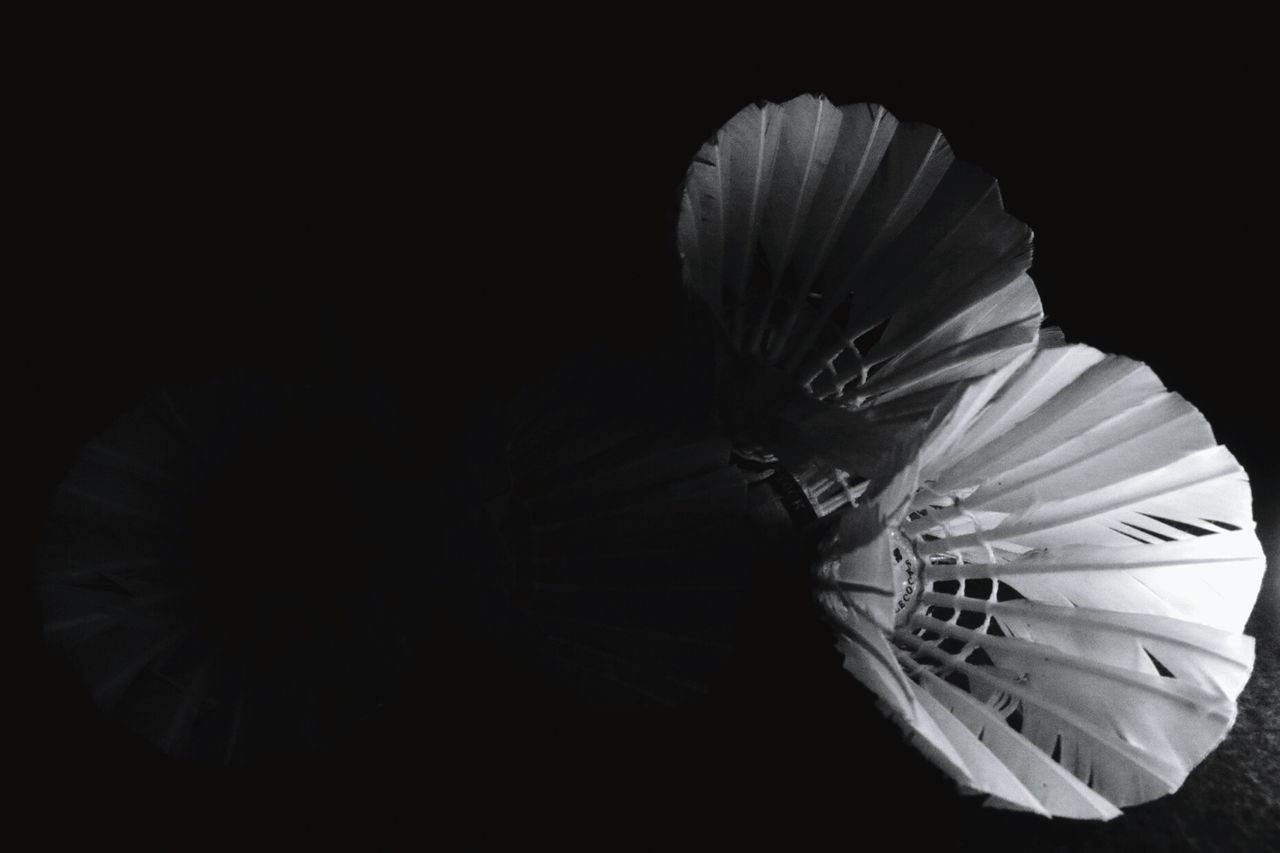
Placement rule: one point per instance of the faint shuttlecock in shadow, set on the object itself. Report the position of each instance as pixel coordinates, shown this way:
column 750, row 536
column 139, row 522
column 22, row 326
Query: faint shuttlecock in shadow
column 224, row 566
column 619, row 532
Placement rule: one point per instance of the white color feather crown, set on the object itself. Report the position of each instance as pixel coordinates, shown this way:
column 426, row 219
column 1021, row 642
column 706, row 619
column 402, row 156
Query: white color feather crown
column 1044, row 560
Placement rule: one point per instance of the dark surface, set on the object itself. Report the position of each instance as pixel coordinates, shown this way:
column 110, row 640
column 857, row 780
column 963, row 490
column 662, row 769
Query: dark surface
column 463, row 243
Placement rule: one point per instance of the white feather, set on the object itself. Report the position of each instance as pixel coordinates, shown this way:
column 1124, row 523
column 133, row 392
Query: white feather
column 1055, row 790
column 810, row 229
column 1090, row 562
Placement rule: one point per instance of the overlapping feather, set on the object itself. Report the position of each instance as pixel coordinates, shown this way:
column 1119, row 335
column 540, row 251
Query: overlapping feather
column 851, row 258
column 1089, row 562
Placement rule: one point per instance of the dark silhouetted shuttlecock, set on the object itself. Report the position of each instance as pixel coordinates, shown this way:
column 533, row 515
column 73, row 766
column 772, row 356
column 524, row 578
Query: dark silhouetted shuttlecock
column 225, row 566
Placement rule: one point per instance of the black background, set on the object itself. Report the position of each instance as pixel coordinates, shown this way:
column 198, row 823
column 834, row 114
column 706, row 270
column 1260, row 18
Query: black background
column 462, row 237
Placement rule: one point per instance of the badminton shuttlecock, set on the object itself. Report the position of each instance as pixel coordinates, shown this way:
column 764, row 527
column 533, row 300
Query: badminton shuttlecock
column 1049, row 597
column 223, row 567
column 238, row 570
column 856, row 271
column 1048, row 560
column 622, row 533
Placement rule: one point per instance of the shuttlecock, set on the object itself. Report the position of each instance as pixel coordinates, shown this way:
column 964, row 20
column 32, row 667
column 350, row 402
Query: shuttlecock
column 623, row 533
column 1050, row 596
column 1048, row 560
column 856, row 272
column 223, row 567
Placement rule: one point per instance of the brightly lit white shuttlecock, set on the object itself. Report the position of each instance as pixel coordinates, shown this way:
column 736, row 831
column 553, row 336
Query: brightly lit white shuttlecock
column 1049, row 597
column 856, row 272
